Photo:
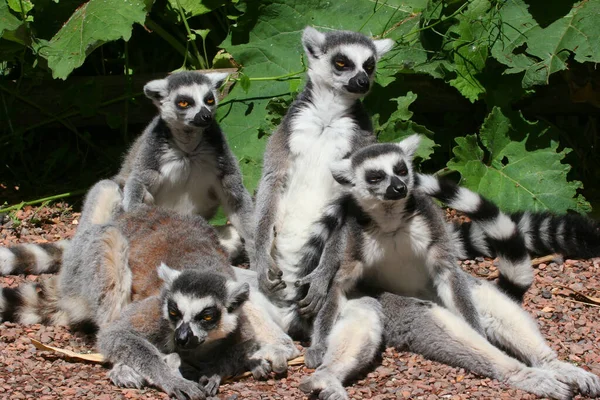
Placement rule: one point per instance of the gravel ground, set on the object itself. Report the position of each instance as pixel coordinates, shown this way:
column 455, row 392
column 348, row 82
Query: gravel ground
column 572, row 329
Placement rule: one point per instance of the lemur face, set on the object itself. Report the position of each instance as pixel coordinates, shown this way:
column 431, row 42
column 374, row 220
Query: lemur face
column 200, row 307
column 379, row 173
column 343, row 60
column 186, row 99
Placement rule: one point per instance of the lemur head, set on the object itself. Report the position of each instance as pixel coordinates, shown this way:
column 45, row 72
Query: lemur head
column 200, row 306
column 343, row 60
column 380, row 172
column 186, row 99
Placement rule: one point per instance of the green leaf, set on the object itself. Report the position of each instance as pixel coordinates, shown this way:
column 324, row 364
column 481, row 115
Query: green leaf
column 8, row 22
column 540, row 52
column 20, row 6
column 398, row 127
column 194, row 8
column 512, row 176
column 91, row 25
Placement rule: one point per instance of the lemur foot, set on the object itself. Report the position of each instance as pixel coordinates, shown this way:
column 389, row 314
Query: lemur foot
column 277, row 354
column 211, row 384
column 260, row 368
column 587, row 383
column 181, row 388
column 325, row 384
column 314, row 356
column 124, row 376
column 269, row 276
column 542, row 382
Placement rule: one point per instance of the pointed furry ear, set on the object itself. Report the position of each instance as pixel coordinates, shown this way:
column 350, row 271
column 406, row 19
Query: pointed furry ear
column 217, row 78
column 383, row 46
column 238, row 294
column 156, row 90
column 410, row 144
column 168, row 275
column 312, row 40
column 342, row 172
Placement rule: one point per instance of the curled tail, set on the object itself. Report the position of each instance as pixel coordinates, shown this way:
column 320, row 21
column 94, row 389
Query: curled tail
column 32, row 303
column 492, row 233
column 571, row 235
column 31, row 258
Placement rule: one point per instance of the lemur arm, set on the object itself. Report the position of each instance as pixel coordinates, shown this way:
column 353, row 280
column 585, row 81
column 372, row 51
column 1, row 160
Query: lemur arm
column 138, row 187
column 267, row 201
column 235, row 199
column 127, row 344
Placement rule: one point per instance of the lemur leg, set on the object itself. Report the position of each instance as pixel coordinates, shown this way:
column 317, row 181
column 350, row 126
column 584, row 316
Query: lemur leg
column 352, row 344
column 433, row 331
column 512, row 328
column 322, row 326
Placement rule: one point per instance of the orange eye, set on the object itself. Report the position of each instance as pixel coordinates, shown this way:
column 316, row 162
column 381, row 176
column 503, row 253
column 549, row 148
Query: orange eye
column 340, row 64
column 207, row 318
column 172, row 313
column 210, row 101
column 183, row 104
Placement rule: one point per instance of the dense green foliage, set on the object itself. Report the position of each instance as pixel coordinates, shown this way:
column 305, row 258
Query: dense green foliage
column 463, row 73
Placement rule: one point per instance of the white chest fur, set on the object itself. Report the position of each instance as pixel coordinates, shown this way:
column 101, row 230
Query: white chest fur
column 320, row 133
column 396, row 261
column 188, row 182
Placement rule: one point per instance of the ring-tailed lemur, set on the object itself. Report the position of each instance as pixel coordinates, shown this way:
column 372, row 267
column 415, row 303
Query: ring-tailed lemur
column 392, row 237
column 325, row 122
column 118, row 252
column 181, row 161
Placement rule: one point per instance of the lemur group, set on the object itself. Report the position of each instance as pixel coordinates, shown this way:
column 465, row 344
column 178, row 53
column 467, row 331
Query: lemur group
column 346, row 244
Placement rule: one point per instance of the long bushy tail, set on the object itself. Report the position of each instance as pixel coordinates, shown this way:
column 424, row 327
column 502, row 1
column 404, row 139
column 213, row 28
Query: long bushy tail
column 492, row 233
column 31, row 258
column 32, row 303
column 571, row 235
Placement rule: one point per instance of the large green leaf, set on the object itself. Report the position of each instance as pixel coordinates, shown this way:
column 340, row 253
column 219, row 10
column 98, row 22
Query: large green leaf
column 8, row 22
column 273, row 48
column 511, row 175
column 540, row 52
column 193, row 8
column 94, row 23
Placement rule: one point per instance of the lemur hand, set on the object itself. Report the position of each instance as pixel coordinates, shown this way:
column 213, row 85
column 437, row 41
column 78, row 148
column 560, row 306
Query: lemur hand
column 269, row 275
column 315, row 298
column 182, row 389
column 211, row 384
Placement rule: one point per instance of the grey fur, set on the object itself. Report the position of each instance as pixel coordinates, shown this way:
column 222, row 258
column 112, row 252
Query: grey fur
column 182, row 160
column 325, row 122
column 449, row 316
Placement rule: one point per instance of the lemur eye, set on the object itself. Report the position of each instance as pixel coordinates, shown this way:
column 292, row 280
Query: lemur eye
column 340, row 64
column 210, row 101
column 207, row 317
column 373, row 177
column 401, row 169
column 183, row 104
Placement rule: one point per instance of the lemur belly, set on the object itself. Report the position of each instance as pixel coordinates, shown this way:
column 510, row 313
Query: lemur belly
column 188, row 184
column 314, row 143
column 396, row 263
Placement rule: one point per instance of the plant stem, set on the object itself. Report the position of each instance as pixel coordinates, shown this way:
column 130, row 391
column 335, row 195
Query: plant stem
column 45, row 199
column 201, row 62
column 276, row 78
column 439, row 21
column 160, row 31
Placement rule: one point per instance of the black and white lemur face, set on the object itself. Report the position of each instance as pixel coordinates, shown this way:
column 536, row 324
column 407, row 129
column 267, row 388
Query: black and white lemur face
column 201, row 307
column 344, row 60
column 186, row 99
column 379, row 173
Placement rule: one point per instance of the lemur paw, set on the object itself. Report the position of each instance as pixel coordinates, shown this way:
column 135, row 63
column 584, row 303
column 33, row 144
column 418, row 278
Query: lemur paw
column 124, row 376
column 211, row 384
column 542, row 382
column 314, row 356
column 325, row 384
column 182, row 389
column 270, row 277
column 313, row 301
column 587, row 383
column 277, row 354
column 260, row 368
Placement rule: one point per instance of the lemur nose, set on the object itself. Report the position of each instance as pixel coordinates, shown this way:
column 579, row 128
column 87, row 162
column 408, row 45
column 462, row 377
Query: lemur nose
column 396, row 190
column 183, row 335
column 362, row 82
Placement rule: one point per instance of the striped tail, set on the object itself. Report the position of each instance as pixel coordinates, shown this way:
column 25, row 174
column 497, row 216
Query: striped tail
column 333, row 217
column 492, row 233
column 31, row 258
column 571, row 235
column 32, row 303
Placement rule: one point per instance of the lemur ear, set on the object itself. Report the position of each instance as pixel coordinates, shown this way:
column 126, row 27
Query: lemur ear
column 410, row 145
column 156, row 90
column 342, row 172
column 313, row 41
column 238, row 294
column 383, row 46
column 168, row 275
column 217, row 78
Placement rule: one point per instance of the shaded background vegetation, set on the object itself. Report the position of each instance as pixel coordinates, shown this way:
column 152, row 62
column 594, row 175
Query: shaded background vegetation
column 506, row 91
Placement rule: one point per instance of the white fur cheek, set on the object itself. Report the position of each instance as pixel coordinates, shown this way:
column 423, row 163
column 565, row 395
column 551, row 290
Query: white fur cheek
column 227, row 325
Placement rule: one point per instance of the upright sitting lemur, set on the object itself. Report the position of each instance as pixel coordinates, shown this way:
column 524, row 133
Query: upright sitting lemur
column 325, row 122
column 193, row 309
column 181, row 162
column 386, row 234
